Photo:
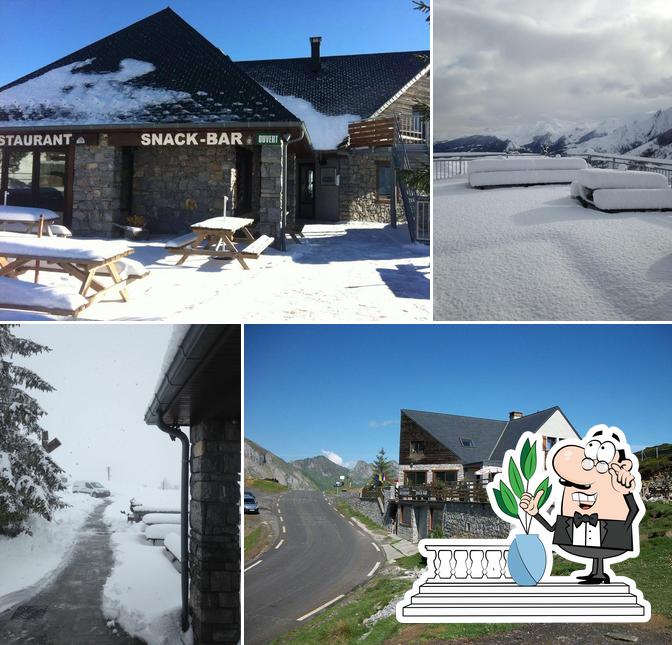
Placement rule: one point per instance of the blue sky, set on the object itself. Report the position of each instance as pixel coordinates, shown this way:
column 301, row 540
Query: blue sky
column 310, row 389
column 37, row 32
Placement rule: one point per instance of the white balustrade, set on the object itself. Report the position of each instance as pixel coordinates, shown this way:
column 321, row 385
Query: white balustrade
column 460, row 561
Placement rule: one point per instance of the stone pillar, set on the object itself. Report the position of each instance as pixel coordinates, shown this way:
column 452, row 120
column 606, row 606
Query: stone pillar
column 214, row 557
column 270, row 191
column 96, row 188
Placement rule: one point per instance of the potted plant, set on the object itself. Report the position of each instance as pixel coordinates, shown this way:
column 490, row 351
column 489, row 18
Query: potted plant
column 136, row 228
column 527, row 554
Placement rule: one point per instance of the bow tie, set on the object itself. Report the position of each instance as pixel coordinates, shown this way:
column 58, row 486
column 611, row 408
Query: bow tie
column 579, row 518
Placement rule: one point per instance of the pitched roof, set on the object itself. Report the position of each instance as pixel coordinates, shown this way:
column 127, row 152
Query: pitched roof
column 157, row 70
column 491, row 437
column 448, row 429
column 355, row 84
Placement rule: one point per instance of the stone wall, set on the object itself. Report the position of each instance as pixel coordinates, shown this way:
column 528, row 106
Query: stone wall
column 214, row 557
column 175, row 186
column 357, row 195
column 477, row 520
column 368, row 507
column 270, row 206
column 96, row 188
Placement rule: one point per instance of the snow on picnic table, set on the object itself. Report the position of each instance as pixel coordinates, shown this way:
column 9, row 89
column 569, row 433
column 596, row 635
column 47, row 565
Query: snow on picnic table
column 536, row 254
column 30, row 562
column 341, row 272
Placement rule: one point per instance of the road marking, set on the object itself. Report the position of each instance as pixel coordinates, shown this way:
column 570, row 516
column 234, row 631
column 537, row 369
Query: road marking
column 284, row 530
column 375, row 546
column 253, row 565
column 281, row 519
column 370, row 573
column 279, row 544
column 351, row 522
column 320, row 608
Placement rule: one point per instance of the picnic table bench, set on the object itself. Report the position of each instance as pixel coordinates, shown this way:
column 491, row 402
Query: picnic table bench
column 86, row 261
column 27, row 296
column 214, row 237
column 27, row 217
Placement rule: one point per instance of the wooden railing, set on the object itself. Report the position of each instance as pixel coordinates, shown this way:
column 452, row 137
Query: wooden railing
column 372, row 134
column 455, row 561
column 466, row 491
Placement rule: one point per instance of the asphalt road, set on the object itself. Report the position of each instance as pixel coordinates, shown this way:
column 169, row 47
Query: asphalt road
column 319, row 556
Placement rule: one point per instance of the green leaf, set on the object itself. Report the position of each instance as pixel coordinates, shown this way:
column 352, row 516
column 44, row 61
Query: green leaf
column 530, row 462
column 545, row 487
column 525, row 451
column 509, row 500
column 502, row 505
column 515, row 480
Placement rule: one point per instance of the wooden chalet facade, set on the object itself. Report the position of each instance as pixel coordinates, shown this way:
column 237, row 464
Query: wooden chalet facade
column 446, row 460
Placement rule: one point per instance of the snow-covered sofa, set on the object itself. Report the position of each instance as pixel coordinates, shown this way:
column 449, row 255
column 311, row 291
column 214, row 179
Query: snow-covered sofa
column 622, row 190
column 523, row 171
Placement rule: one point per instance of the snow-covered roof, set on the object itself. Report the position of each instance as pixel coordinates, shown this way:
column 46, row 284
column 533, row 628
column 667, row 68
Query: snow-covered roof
column 157, row 70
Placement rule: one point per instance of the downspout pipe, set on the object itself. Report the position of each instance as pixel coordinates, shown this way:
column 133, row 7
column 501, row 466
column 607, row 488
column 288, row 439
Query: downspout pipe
column 175, row 433
column 286, row 140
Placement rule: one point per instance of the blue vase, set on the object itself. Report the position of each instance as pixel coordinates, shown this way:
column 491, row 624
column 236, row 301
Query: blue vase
column 527, row 559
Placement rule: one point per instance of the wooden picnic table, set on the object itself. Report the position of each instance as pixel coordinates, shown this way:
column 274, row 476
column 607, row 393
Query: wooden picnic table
column 214, row 237
column 28, row 217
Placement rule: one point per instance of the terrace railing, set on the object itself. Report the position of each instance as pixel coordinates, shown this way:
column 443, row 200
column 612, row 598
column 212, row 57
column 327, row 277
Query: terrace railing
column 467, row 561
column 466, row 491
column 448, row 165
column 422, row 220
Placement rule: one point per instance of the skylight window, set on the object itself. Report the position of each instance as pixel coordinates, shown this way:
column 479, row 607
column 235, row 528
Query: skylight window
column 467, row 443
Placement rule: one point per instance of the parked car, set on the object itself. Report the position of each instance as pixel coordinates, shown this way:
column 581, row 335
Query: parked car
column 250, row 501
column 95, row 489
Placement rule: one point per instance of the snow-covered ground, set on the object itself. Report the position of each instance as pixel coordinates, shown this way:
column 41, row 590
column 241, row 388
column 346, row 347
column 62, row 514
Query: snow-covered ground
column 142, row 594
column 30, row 562
column 536, row 254
column 340, row 272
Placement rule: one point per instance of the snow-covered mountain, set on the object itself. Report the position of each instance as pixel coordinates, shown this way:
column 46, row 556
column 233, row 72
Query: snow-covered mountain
column 647, row 135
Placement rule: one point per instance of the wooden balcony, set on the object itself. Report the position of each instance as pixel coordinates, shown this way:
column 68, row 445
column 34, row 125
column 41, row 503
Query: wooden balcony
column 388, row 131
column 465, row 491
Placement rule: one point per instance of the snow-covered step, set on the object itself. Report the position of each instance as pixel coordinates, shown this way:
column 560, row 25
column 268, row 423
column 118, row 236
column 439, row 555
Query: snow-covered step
column 156, row 533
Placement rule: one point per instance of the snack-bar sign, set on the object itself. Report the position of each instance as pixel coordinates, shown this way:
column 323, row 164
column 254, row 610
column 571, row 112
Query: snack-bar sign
column 191, row 139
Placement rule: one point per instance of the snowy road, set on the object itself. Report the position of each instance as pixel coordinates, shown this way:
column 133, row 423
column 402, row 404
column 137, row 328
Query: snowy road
column 69, row 609
column 316, row 560
column 536, row 254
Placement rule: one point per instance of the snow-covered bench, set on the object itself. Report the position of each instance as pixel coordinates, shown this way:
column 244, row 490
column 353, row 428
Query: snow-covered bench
column 156, row 533
column 523, row 171
column 84, row 260
column 162, row 518
column 173, row 549
column 27, row 296
column 622, row 190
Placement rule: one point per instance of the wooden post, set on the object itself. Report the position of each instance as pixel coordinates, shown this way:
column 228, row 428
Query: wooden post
column 40, row 229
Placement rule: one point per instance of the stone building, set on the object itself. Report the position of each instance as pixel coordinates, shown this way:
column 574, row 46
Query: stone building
column 133, row 126
column 445, row 460
column 199, row 390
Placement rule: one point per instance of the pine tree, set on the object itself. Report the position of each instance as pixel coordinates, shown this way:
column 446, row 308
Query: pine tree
column 29, row 479
column 381, row 468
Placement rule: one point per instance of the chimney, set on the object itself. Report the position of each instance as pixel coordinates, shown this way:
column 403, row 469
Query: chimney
column 315, row 63
column 515, row 415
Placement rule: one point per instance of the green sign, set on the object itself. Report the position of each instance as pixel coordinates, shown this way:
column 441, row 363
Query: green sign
column 268, row 139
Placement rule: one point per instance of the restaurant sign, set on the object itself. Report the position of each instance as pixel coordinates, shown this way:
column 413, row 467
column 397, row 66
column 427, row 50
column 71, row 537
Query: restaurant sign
column 48, row 140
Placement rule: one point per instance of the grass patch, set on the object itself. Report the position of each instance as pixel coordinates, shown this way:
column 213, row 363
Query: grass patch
column 415, row 561
column 348, row 511
column 266, row 486
column 252, row 539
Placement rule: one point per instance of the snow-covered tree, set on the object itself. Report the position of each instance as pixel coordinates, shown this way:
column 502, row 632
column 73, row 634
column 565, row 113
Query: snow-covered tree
column 29, row 478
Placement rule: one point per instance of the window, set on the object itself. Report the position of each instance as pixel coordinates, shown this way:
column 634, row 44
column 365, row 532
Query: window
column 549, row 443
column 467, row 443
column 405, row 515
column 417, row 447
column 328, row 176
column 383, row 182
column 20, row 174
column 445, row 476
column 415, row 477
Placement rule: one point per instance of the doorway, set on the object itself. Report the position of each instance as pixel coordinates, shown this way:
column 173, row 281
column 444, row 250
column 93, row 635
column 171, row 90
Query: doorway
column 306, row 191
column 243, row 180
column 36, row 178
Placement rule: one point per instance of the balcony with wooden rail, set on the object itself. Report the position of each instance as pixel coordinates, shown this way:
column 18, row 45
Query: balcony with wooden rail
column 464, row 491
column 409, row 130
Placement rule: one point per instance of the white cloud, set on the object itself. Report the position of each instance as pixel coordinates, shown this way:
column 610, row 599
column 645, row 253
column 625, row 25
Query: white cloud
column 382, row 424
column 501, row 63
column 332, row 456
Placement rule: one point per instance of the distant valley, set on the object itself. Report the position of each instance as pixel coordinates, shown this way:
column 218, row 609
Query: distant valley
column 311, row 473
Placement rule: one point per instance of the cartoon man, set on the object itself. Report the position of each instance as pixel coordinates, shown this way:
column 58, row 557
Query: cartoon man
column 598, row 505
